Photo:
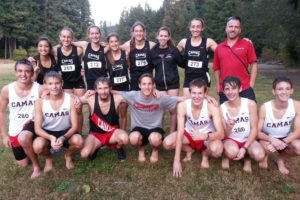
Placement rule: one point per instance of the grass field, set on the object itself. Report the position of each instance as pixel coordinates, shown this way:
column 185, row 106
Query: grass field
column 106, row 178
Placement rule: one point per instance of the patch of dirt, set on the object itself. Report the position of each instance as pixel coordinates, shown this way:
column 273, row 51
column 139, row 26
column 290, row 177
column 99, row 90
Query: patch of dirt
column 272, row 71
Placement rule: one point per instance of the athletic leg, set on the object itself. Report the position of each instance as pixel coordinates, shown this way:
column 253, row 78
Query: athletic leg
column 231, row 150
column 26, row 141
column 91, row 144
column 155, row 139
column 75, row 143
column 40, row 147
column 214, row 149
column 135, row 139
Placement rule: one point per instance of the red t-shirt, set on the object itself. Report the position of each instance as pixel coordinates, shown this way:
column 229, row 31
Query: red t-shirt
column 230, row 65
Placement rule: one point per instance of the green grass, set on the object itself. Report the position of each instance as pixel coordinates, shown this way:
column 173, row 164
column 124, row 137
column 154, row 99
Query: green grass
column 106, row 178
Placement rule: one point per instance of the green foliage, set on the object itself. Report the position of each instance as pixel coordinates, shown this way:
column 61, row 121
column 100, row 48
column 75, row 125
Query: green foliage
column 20, row 53
column 31, row 51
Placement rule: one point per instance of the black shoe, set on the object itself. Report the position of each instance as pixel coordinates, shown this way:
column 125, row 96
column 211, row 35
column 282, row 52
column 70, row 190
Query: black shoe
column 94, row 155
column 121, row 154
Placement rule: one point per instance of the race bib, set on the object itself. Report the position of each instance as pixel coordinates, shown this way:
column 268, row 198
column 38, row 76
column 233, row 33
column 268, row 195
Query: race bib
column 93, row 65
column 121, row 79
column 67, row 68
column 141, row 63
column 195, row 64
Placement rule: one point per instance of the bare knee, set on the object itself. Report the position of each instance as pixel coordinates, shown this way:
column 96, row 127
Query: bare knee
column 168, row 144
column 38, row 145
column 135, row 139
column 124, row 139
column 155, row 139
column 25, row 139
column 77, row 141
column 85, row 152
column 258, row 154
column 216, row 149
column 231, row 151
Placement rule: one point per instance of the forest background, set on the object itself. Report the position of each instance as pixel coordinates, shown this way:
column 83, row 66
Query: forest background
column 272, row 25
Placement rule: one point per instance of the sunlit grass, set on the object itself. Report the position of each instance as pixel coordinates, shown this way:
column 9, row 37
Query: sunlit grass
column 106, row 178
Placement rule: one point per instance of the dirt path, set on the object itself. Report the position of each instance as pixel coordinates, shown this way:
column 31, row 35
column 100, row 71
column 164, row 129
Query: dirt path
column 272, row 71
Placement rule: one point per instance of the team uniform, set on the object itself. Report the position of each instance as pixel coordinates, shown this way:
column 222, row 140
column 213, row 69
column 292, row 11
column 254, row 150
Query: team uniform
column 202, row 125
column 119, row 74
column 102, row 126
column 94, row 65
column 234, row 61
column 196, row 62
column 57, row 122
column 44, row 70
column 165, row 63
column 147, row 114
column 241, row 129
column 279, row 128
column 21, row 111
column 70, row 67
column 140, row 63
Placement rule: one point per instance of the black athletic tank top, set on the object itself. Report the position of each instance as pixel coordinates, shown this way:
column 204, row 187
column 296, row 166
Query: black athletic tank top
column 195, row 58
column 101, row 123
column 119, row 73
column 70, row 66
column 43, row 69
column 140, row 61
column 94, row 63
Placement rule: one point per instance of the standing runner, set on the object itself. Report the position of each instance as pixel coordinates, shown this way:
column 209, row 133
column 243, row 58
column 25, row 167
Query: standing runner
column 165, row 57
column 19, row 97
column 93, row 57
column 117, row 65
column 139, row 54
column 276, row 118
column 44, row 61
column 56, row 123
column 195, row 54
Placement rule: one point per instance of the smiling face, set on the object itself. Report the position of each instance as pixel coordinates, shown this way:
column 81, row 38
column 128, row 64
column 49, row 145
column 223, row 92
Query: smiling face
column 163, row 37
column 233, row 29
column 198, row 94
column 94, row 35
column 283, row 91
column 231, row 91
column 146, row 85
column 53, row 85
column 103, row 90
column 139, row 33
column 113, row 43
column 196, row 28
column 23, row 73
column 66, row 38
column 43, row 47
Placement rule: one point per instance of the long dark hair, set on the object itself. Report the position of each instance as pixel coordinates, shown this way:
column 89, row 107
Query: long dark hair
column 109, row 53
column 170, row 42
column 132, row 39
